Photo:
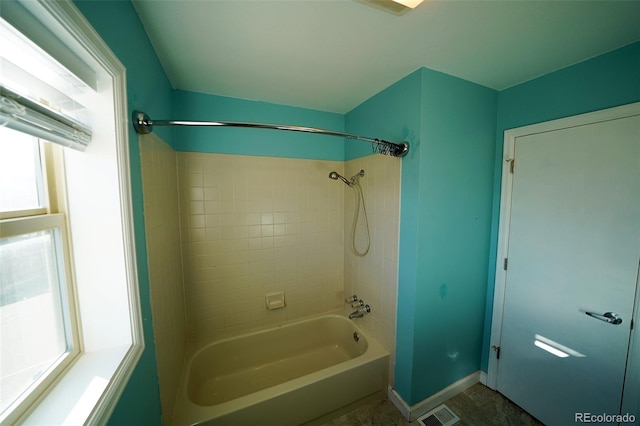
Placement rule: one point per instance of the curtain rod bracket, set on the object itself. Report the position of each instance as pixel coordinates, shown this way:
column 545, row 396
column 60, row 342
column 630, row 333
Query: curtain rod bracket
column 144, row 125
column 141, row 123
column 403, row 149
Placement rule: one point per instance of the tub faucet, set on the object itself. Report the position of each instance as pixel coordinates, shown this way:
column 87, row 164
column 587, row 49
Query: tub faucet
column 360, row 312
column 356, row 314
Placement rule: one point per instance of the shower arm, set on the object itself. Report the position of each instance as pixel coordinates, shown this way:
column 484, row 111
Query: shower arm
column 144, row 125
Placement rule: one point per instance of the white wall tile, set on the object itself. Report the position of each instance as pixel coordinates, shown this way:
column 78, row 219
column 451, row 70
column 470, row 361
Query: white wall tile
column 160, row 182
column 374, row 278
column 260, row 224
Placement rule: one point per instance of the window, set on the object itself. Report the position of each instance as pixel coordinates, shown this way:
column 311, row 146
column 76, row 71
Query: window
column 39, row 329
column 71, row 330
column 21, row 173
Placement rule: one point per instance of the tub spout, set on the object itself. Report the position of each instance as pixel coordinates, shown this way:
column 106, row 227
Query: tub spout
column 360, row 312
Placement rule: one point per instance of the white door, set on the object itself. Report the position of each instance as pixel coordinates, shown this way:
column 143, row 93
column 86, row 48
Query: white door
column 573, row 254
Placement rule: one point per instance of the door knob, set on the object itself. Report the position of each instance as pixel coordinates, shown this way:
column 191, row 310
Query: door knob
column 610, row 317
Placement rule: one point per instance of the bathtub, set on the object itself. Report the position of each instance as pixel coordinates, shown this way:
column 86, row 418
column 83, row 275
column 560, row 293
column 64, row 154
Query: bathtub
column 288, row 375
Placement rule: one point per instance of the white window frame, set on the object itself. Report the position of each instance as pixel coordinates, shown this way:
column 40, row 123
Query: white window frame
column 35, row 221
column 100, row 216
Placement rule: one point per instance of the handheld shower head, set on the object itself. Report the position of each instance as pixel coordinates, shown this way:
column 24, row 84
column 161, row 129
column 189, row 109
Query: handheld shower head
column 335, row 176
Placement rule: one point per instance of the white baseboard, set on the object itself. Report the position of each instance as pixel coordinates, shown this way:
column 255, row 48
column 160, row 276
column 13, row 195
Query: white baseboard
column 413, row 412
column 397, row 400
column 483, row 378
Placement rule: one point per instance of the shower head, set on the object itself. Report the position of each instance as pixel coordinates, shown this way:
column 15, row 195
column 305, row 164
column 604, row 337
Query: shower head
column 357, row 176
column 336, row 176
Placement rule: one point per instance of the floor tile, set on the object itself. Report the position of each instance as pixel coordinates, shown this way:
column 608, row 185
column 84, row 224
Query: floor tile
column 476, row 406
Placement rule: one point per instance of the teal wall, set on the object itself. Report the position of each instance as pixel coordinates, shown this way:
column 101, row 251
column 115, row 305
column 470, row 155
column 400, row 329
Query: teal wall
column 261, row 142
column 445, row 217
column 148, row 89
column 456, row 185
column 444, row 301
column 606, row 81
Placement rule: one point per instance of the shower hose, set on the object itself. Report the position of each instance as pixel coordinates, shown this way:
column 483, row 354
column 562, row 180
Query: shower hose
column 359, row 198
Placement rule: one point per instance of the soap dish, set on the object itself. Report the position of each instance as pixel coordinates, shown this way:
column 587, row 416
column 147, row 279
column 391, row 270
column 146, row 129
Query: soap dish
column 274, row 300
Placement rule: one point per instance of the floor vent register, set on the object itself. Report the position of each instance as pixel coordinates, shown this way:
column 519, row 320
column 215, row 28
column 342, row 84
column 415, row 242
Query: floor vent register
column 439, row 416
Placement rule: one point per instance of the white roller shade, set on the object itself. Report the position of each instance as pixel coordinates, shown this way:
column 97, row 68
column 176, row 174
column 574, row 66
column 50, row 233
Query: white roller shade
column 39, row 96
column 24, row 115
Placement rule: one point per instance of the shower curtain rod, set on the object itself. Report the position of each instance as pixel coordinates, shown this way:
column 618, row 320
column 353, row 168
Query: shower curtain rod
column 144, row 125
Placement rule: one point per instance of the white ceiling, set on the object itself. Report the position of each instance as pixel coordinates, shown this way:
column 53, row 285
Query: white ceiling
column 332, row 55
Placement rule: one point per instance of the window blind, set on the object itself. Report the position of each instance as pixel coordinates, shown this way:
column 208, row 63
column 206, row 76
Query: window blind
column 38, row 95
column 24, row 115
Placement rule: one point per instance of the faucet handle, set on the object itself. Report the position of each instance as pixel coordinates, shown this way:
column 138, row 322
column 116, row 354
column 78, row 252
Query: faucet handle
column 365, row 309
column 351, row 299
column 358, row 304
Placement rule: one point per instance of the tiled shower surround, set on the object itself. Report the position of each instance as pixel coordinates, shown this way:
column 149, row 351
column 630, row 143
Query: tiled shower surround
column 374, row 277
column 161, row 217
column 257, row 225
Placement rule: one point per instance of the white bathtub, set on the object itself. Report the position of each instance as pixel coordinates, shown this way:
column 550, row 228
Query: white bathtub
column 287, row 375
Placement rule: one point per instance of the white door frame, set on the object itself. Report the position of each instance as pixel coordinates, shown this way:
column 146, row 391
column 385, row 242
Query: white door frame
column 510, row 137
